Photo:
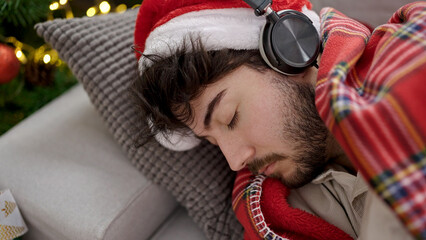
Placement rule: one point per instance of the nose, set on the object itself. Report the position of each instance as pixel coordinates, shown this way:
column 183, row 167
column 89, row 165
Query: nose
column 237, row 153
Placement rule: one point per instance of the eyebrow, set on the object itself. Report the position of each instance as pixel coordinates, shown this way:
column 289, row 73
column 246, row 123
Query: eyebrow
column 211, row 107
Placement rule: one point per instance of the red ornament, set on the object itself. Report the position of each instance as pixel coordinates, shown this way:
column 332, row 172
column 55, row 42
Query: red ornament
column 9, row 64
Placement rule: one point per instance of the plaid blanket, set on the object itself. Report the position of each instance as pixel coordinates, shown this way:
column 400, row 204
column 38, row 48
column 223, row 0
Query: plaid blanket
column 371, row 94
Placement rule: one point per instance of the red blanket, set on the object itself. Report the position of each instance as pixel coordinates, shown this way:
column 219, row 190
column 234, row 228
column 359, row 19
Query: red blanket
column 371, row 94
column 260, row 204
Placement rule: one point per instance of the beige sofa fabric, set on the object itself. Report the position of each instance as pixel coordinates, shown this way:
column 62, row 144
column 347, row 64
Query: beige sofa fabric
column 72, row 181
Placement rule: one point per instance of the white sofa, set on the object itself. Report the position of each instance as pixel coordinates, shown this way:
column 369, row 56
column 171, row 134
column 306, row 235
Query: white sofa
column 72, row 181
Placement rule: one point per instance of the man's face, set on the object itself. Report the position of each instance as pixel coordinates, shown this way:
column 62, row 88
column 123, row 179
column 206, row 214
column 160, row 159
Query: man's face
column 266, row 122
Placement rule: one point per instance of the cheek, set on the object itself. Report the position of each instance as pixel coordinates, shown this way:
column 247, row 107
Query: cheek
column 265, row 121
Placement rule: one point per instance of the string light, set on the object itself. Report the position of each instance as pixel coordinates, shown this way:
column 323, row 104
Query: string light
column 91, row 12
column 54, row 6
column 104, row 7
column 46, row 58
column 20, row 55
column 44, row 53
column 121, row 8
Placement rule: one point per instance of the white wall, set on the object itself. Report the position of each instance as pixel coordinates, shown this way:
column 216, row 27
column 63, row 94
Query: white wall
column 374, row 12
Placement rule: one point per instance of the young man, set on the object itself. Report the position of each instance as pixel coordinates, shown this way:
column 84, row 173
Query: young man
column 201, row 72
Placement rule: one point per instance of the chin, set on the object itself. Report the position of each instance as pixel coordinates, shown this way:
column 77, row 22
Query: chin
column 295, row 179
column 290, row 182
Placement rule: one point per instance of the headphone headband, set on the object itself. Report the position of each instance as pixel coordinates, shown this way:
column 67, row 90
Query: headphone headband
column 259, row 6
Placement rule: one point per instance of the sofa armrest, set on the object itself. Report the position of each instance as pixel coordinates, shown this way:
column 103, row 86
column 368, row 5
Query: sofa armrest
column 72, row 181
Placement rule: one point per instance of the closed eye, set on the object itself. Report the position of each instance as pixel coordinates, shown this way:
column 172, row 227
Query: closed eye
column 234, row 121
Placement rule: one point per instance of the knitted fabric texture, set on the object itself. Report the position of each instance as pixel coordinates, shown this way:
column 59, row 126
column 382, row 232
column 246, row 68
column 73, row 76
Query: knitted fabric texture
column 98, row 51
column 370, row 93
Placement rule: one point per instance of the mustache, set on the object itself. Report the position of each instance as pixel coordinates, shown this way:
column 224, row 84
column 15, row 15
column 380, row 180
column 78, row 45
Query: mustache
column 258, row 163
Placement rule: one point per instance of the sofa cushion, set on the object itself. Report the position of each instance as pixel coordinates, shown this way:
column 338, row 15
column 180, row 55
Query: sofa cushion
column 98, row 51
column 72, row 181
column 178, row 226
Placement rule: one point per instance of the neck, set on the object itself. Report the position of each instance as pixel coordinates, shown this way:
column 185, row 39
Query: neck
column 337, row 155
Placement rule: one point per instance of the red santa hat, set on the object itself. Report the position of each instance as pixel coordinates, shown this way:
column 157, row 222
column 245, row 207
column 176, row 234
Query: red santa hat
column 162, row 26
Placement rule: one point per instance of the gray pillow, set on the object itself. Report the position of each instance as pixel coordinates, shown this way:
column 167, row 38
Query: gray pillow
column 98, row 51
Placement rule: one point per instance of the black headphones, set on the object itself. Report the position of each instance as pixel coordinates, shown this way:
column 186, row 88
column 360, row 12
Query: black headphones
column 289, row 43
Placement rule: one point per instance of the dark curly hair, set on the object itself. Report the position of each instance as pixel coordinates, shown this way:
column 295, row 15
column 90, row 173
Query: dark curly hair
column 164, row 91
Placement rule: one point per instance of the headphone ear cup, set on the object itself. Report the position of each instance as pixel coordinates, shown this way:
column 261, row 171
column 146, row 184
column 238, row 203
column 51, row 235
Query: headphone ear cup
column 284, row 56
column 265, row 47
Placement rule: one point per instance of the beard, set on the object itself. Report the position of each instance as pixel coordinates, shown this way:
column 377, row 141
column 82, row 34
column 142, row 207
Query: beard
column 303, row 128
